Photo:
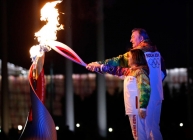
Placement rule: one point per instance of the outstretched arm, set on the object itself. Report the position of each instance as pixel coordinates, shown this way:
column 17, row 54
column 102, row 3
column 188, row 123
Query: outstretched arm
column 121, row 60
column 114, row 70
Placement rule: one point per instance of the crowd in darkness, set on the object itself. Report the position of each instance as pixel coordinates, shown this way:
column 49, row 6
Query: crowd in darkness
column 174, row 111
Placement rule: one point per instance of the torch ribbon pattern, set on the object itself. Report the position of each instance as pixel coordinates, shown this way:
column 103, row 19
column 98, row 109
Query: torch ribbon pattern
column 66, row 51
column 39, row 125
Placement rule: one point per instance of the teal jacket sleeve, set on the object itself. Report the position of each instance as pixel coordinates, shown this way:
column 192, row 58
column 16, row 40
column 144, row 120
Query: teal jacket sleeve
column 121, row 60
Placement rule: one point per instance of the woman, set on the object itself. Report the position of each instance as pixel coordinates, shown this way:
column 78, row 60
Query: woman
column 136, row 89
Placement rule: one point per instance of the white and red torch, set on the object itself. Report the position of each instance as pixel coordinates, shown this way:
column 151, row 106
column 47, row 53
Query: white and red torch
column 39, row 124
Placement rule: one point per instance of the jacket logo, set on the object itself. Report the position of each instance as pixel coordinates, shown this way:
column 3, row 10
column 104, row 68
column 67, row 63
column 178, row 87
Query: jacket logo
column 152, row 55
column 154, row 62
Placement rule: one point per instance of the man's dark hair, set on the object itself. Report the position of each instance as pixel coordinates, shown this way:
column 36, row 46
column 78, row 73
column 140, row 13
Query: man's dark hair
column 146, row 38
column 141, row 32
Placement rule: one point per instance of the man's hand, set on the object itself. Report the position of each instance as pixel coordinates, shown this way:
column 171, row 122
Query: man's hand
column 93, row 66
column 142, row 113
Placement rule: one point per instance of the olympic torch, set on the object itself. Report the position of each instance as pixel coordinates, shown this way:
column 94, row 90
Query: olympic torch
column 39, row 124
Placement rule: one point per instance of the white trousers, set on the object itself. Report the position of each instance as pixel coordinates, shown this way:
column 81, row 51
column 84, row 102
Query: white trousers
column 137, row 127
column 153, row 120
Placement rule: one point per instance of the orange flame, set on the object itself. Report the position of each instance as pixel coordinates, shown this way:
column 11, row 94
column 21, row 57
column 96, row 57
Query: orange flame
column 48, row 32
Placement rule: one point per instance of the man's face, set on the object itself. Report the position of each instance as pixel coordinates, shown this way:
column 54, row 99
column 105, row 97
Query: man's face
column 135, row 39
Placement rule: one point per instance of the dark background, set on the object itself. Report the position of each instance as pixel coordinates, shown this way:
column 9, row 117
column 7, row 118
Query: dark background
column 167, row 23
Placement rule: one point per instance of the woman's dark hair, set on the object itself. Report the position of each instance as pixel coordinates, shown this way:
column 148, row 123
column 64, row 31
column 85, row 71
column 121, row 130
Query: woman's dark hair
column 138, row 57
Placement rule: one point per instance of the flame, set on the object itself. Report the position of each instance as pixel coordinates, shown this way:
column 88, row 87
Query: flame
column 48, row 32
column 49, row 14
column 35, row 51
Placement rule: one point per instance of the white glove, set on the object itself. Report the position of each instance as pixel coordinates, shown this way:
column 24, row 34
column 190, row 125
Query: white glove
column 38, row 51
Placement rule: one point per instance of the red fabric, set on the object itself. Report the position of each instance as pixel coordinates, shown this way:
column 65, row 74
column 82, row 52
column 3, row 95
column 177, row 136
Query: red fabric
column 39, row 87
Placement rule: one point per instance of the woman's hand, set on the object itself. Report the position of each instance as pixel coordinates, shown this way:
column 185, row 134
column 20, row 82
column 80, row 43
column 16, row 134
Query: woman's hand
column 142, row 113
column 93, row 66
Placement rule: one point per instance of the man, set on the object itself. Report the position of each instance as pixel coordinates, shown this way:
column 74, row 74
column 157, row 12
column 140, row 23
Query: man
column 141, row 40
